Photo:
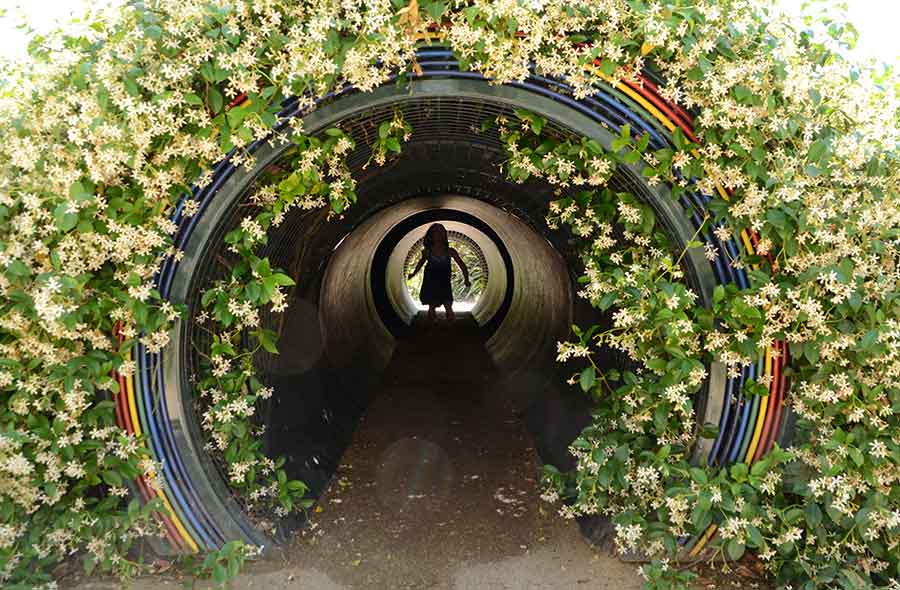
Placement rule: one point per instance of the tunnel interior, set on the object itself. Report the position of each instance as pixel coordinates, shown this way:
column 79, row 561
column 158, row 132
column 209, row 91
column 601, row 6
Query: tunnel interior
column 351, row 307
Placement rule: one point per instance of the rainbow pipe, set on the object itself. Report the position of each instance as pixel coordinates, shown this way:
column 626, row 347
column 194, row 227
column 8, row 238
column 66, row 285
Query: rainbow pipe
column 747, row 428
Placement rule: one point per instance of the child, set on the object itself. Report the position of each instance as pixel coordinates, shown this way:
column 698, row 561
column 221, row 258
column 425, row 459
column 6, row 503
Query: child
column 436, row 289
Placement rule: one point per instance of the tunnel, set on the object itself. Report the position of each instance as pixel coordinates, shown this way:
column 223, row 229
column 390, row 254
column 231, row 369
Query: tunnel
column 351, row 305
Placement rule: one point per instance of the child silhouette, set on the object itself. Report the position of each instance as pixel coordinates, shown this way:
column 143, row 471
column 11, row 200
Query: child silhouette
column 436, row 255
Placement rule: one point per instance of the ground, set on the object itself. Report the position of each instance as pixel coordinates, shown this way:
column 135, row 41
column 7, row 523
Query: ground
column 439, row 489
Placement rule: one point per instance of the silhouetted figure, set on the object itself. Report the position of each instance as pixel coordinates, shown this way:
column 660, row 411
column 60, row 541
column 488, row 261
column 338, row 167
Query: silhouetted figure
column 436, row 288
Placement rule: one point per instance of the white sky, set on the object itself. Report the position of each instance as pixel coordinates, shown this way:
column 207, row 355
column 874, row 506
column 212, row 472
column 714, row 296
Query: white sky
column 875, row 19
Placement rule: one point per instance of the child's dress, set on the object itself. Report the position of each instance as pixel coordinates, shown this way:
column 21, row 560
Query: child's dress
column 436, row 289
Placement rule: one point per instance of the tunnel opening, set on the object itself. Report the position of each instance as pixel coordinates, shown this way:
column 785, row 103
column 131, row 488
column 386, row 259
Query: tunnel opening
column 350, row 307
column 464, row 298
column 429, row 386
column 494, row 365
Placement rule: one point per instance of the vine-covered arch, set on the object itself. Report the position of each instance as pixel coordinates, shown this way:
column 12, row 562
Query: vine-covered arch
column 205, row 515
column 727, row 186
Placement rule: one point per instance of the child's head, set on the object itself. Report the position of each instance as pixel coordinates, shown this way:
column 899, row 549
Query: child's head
column 436, row 238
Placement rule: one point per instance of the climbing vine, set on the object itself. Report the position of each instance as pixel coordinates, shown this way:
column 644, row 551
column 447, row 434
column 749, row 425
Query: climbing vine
column 109, row 127
column 313, row 176
column 230, row 389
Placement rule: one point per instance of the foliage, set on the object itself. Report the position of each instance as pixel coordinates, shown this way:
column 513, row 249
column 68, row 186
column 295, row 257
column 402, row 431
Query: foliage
column 634, row 460
column 314, row 176
column 107, row 127
column 477, row 273
column 223, row 566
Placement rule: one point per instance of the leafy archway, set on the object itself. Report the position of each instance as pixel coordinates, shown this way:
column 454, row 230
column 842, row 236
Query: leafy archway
column 784, row 155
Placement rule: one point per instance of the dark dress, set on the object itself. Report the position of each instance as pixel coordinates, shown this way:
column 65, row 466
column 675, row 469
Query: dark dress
column 436, row 288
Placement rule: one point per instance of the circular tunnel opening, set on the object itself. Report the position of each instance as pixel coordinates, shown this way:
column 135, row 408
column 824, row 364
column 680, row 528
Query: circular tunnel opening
column 401, row 246
column 465, row 298
column 351, row 315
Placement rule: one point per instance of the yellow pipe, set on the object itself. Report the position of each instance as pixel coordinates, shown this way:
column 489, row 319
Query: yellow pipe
column 761, row 418
column 132, row 408
column 627, row 90
column 703, row 541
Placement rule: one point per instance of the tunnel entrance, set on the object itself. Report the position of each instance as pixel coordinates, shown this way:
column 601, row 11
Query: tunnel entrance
column 363, row 373
column 445, row 434
column 351, row 315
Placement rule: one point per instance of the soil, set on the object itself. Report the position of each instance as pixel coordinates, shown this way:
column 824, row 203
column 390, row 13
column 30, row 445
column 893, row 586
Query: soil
column 439, row 489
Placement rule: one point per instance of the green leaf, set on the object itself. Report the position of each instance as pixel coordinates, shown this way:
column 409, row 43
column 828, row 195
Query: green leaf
column 131, row 86
column 813, row 514
column 718, row 293
column 219, row 574
column 678, row 138
column 661, row 417
column 112, row 478
column 709, row 431
column 267, row 340
column 64, row 221
column 17, row 268
column 216, row 100
column 817, row 151
column 282, row 279
column 868, row 340
column 435, row 10
column 608, row 67
column 89, row 563
column 208, row 296
column 742, row 93
column 234, row 566
column 588, row 378
column 759, row 155
column 701, row 518
column 656, row 365
column 755, row 537
column 208, row 72
column 734, row 549
column 632, row 157
column 79, row 192
column 739, row 471
column 644, row 142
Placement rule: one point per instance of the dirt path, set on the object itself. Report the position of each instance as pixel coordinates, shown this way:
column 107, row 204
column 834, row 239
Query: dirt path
column 439, row 489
